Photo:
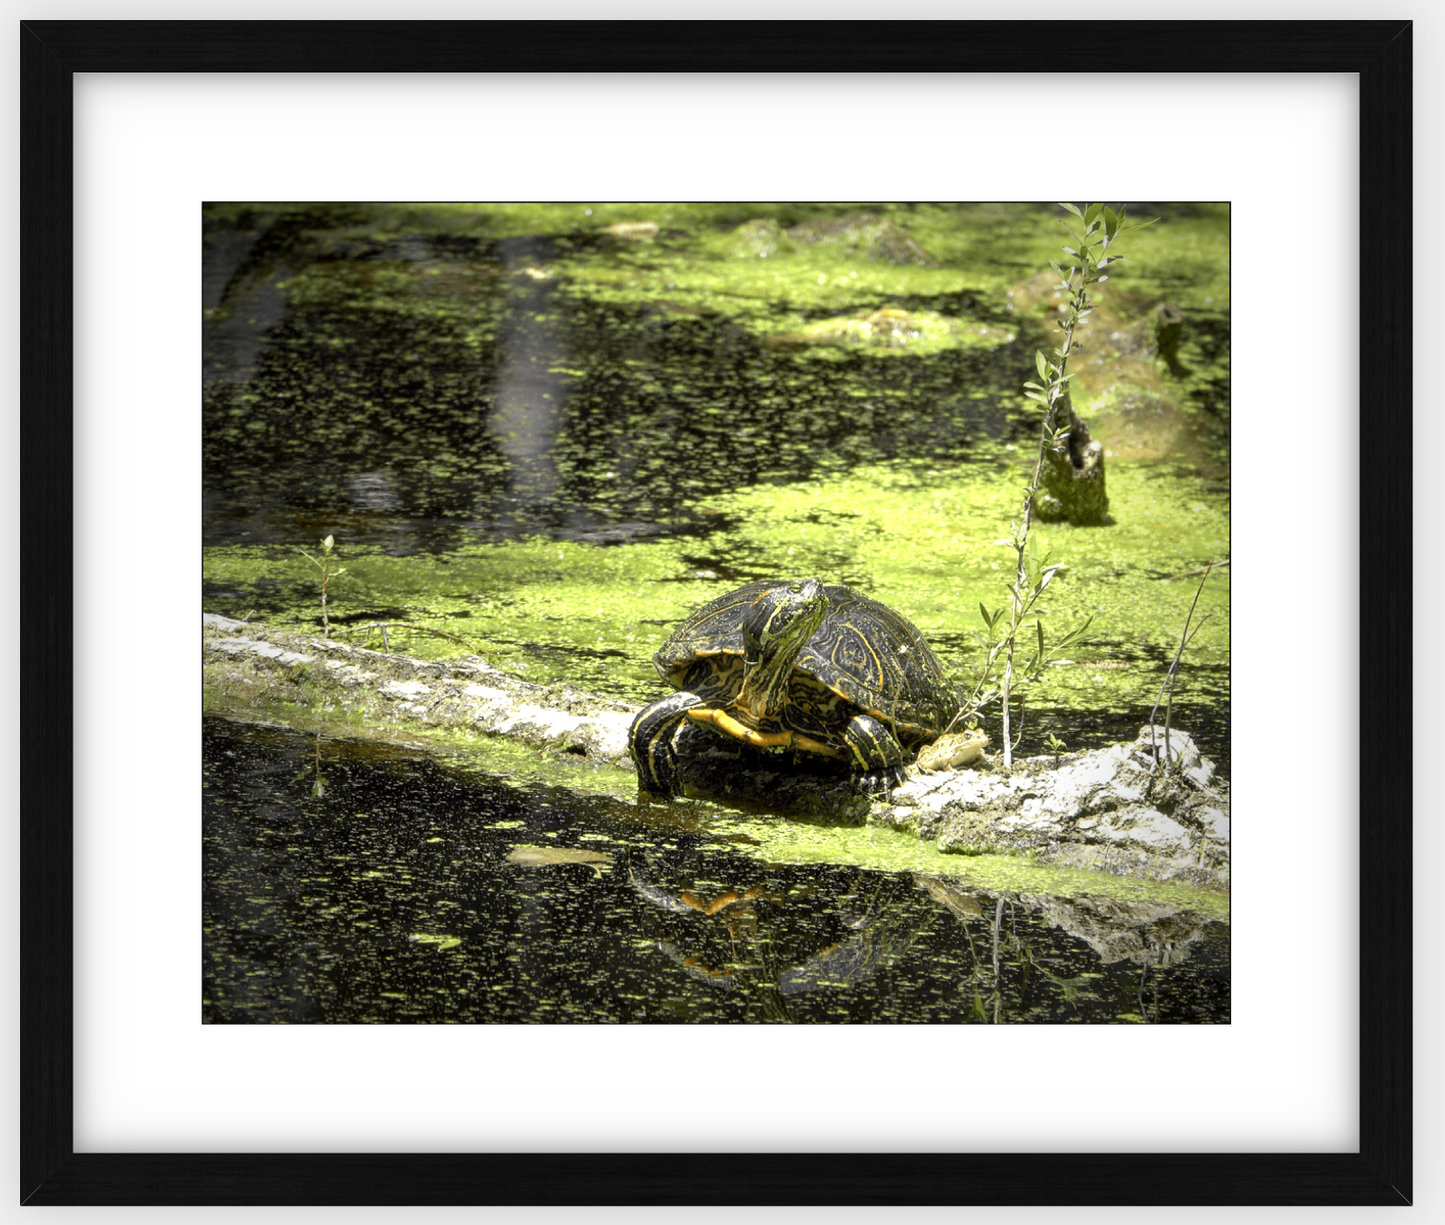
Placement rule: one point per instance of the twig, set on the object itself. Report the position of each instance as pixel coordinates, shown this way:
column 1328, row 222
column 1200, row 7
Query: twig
column 1184, row 640
column 1216, row 565
column 383, row 626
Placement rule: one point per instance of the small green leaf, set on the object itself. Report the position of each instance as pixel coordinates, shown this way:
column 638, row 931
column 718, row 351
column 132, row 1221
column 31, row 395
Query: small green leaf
column 1071, row 208
column 1092, row 212
column 1041, row 365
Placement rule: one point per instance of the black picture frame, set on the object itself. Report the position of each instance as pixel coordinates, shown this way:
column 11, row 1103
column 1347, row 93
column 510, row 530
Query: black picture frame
column 53, row 1173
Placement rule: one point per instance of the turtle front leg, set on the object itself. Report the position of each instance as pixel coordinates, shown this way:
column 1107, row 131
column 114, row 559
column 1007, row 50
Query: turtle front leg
column 649, row 740
column 876, row 753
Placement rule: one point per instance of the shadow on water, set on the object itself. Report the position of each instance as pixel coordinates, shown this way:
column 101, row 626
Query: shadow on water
column 350, row 882
column 425, row 394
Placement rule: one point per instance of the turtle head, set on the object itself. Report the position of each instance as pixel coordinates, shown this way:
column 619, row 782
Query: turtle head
column 775, row 630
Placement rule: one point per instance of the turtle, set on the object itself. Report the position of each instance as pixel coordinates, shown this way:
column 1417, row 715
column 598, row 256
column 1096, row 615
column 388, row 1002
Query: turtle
column 799, row 665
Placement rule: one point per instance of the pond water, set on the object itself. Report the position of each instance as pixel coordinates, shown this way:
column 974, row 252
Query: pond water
column 404, row 890
column 543, row 434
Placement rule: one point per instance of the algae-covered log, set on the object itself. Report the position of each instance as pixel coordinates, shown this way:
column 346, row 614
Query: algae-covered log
column 259, row 665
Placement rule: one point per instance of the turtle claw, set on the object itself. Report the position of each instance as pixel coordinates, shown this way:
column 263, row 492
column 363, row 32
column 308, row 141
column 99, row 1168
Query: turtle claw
column 881, row 781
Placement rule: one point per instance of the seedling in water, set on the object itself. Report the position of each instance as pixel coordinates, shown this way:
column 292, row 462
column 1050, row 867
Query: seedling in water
column 323, row 563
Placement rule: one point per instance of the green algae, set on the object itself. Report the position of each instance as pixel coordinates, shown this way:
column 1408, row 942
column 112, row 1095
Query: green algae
column 380, row 365
column 981, row 250
column 919, row 333
column 925, row 539
column 441, row 942
column 697, row 256
column 704, row 255
column 888, row 850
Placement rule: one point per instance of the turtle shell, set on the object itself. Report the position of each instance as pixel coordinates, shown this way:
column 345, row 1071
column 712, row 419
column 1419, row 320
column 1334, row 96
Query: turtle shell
column 864, row 656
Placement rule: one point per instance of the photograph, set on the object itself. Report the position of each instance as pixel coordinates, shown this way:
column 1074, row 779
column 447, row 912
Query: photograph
column 716, row 612
column 703, row 525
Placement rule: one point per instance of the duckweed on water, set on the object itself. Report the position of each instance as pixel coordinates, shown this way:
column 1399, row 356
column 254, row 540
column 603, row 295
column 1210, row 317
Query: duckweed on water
column 922, row 538
column 888, row 850
column 369, row 396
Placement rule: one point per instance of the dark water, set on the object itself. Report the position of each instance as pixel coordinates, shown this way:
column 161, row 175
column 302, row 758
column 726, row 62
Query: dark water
column 431, row 394
column 410, row 892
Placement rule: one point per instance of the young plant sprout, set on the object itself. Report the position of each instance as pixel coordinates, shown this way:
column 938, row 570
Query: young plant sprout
column 323, row 563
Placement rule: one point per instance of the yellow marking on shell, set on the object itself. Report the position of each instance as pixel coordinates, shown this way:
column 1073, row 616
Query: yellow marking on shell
column 873, row 741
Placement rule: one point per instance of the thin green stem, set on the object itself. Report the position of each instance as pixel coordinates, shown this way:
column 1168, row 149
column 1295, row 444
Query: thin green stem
column 1184, row 639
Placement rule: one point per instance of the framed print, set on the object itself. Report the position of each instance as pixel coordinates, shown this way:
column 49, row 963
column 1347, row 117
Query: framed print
column 880, row 1129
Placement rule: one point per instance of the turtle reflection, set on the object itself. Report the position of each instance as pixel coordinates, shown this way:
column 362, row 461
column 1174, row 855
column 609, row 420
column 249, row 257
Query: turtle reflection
column 779, row 936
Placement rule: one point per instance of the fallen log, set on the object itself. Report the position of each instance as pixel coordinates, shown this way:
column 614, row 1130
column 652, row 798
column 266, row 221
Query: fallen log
column 400, row 690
